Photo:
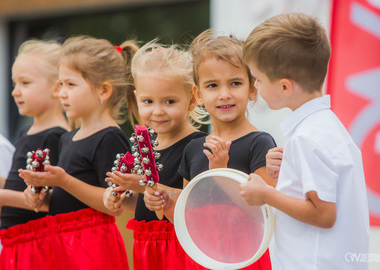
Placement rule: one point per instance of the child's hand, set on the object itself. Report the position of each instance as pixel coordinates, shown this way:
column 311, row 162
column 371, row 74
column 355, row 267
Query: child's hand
column 52, row 176
column 253, row 191
column 34, row 200
column 273, row 161
column 155, row 199
column 218, row 158
column 125, row 181
column 112, row 202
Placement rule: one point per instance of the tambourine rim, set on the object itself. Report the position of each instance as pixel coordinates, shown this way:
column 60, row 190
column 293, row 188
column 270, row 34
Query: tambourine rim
column 190, row 247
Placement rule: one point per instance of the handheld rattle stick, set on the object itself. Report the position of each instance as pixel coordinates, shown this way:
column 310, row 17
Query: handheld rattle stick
column 146, row 157
column 123, row 163
column 36, row 161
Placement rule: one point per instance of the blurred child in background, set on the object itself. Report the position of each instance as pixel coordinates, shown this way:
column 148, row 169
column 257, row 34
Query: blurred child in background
column 36, row 91
column 95, row 78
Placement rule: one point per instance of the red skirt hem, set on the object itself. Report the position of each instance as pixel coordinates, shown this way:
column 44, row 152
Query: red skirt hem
column 157, row 247
column 85, row 239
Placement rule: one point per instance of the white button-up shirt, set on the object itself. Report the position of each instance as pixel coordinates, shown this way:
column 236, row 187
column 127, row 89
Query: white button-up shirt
column 320, row 156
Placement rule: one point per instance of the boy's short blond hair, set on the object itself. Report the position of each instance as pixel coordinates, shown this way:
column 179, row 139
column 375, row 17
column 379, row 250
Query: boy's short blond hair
column 293, row 46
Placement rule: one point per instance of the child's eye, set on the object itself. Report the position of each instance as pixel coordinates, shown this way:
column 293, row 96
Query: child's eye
column 170, row 101
column 71, row 84
column 25, row 82
column 147, row 101
column 236, row 83
column 212, row 85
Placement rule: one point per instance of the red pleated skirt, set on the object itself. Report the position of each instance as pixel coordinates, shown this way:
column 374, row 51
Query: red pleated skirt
column 157, row 247
column 81, row 240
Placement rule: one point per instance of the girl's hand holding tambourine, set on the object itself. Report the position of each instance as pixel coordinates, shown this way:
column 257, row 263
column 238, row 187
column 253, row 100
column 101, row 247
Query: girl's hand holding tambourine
column 254, row 190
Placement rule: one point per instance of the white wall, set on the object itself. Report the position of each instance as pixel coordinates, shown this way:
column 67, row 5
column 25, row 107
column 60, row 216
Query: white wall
column 239, row 17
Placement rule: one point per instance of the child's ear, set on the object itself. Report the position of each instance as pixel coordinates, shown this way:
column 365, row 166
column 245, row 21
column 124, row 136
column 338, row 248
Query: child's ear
column 56, row 89
column 192, row 104
column 105, row 91
column 197, row 95
column 287, row 86
column 252, row 93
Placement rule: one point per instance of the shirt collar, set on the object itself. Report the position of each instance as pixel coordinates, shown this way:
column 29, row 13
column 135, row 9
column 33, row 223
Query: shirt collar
column 306, row 109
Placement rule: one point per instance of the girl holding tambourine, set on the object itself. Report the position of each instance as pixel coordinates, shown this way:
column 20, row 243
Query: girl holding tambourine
column 223, row 86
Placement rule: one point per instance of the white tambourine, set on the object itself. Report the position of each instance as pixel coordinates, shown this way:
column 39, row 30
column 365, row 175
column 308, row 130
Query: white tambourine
column 216, row 227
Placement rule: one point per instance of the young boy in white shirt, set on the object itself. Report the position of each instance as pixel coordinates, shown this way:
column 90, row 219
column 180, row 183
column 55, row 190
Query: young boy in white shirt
column 321, row 216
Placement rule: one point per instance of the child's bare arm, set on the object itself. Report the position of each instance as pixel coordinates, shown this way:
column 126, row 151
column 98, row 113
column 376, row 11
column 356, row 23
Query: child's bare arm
column 263, row 172
column 311, row 210
column 17, row 199
column 2, row 182
column 56, row 176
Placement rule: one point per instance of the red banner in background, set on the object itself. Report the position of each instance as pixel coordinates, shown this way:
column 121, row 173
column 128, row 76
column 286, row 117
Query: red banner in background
column 354, row 84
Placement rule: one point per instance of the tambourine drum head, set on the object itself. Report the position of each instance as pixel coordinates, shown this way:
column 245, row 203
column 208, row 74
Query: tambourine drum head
column 219, row 223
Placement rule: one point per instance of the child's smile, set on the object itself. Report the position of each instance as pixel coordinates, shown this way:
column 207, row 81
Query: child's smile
column 163, row 103
column 223, row 89
column 227, row 107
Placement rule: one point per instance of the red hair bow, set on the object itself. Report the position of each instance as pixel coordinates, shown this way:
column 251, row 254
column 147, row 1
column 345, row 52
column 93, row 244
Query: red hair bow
column 119, row 49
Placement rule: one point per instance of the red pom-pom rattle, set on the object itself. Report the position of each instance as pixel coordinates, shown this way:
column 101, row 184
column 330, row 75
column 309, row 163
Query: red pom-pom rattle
column 36, row 161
